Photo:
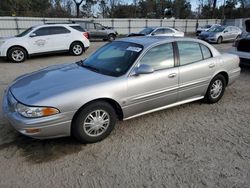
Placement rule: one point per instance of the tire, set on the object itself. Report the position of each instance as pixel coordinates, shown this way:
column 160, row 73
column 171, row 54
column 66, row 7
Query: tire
column 216, row 89
column 88, row 130
column 111, row 37
column 17, row 54
column 76, row 48
column 219, row 40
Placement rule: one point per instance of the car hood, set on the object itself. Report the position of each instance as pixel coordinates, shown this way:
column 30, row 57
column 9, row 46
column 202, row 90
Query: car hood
column 207, row 34
column 6, row 38
column 53, row 81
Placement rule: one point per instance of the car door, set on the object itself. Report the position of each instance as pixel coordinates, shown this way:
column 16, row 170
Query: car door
column 91, row 29
column 196, row 67
column 60, row 38
column 39, row 41
column 100, row 32
column 227, row 34
column 155, row 90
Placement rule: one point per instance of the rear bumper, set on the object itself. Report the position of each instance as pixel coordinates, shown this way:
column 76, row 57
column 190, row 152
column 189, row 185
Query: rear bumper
column 233, row 75
column 58, row 125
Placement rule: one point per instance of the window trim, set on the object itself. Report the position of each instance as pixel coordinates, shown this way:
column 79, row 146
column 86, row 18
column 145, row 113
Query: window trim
column 137, row 61
column 179, row 64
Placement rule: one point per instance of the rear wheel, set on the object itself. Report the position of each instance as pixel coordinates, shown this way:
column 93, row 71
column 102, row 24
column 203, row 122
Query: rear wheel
column 219, row 40
column 76, row 48
column 111, row 37
column 94, row 122
column 17, row 55
column 216, row 89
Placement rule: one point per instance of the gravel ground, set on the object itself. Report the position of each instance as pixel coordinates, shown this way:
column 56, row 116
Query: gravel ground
column 193, row 145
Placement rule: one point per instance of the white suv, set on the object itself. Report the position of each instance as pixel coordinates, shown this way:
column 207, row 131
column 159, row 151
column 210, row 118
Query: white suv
column 43, row 39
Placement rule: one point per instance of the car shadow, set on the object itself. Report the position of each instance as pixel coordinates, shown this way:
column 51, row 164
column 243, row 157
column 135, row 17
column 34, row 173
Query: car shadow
column 40, row 151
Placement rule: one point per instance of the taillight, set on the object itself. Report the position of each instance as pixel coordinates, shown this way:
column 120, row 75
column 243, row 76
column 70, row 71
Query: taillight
column 86, row 34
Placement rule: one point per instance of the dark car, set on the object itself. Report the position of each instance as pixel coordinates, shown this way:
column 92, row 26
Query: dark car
column 97, row 31
column 242, row 45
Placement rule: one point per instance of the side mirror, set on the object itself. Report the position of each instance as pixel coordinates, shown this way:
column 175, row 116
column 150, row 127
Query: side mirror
column 144, row 69
column 152, row 34
column 32, row 35
column 103, row 28
column 225, row 31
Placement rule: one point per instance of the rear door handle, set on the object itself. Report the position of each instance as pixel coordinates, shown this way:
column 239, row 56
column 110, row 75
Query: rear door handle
column 172, row 75
column 211, row 65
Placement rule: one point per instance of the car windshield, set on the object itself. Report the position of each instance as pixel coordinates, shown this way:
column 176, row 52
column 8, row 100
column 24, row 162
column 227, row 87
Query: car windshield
column 113, row 59
column 146, row 31
column 216, row 29
column 25, row 32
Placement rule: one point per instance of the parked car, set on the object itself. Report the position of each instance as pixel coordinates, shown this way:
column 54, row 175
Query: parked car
column 206, row 28
column 98, row 31
column 220, row 34
column 242, row 46
column 43, row 39
column 158, row 31
column 124, row 79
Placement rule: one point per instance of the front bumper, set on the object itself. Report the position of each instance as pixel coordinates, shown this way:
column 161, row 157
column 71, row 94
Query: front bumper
column 49, row 127
column 208, row 39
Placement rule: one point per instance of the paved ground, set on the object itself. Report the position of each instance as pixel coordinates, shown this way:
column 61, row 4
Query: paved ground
column 193, row 145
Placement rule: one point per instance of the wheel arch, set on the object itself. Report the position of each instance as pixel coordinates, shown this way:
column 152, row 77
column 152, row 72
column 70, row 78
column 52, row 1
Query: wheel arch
column 110, row 101
column 27, row 53
column 223, row 73
column 75, row 42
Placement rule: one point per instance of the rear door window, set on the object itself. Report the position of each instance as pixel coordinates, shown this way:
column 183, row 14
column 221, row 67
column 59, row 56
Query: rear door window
column 78, row 28
column 205, row 51
column 58, row 30
column 189, row 52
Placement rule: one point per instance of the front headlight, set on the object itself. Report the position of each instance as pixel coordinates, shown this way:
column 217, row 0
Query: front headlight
column 33, row 112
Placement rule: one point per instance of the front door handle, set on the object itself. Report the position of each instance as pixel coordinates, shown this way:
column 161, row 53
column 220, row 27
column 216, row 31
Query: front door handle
column 211, row 65
column 172, row 75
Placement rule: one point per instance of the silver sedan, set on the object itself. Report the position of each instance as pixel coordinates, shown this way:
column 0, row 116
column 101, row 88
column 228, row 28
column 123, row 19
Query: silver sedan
column 121, row 80
column 220, row 34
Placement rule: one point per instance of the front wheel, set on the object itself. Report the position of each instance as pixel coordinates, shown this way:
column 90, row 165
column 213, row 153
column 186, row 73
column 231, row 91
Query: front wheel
column 219, row 40
column 17, row 55
column 94, row 122
column 216, row 89
column 76, row 48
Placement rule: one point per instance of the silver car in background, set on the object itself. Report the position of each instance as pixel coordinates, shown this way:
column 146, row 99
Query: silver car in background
column 158, row 31
column 124, row 79
column 220, row 34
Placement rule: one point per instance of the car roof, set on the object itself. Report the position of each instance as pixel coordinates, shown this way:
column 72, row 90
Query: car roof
column 147, row 41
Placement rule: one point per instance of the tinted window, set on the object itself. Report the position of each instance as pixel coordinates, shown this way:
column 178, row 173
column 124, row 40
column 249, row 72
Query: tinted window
column 114, row 59
column 25, row 32
column 58, row 30
column 159, row 57
column 189, row 52
column 205, row 51
column 98, row 26
column 159, row 31
column 78, row 28
column 90, row 25
column 42, row 31
column 168, row 31
column 51, row 31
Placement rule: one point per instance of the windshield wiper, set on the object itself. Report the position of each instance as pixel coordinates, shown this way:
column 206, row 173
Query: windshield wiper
column 82, row 64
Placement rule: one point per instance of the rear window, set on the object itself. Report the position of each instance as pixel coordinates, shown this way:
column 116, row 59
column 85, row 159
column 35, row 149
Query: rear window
column 78, row 28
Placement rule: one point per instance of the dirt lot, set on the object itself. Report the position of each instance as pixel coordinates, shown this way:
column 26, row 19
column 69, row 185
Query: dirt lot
column 193, row 145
